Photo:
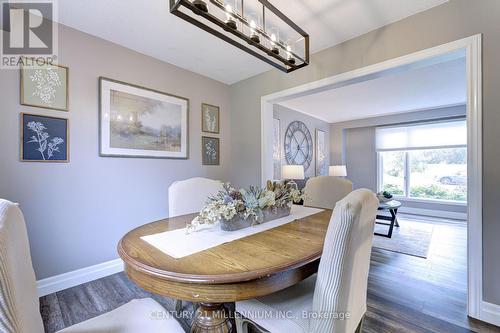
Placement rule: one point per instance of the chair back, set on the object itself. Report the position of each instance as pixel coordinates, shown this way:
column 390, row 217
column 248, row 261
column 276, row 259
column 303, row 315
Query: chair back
column 190, row 195
column 342, row 281
column 19, row 305
column 325, row 191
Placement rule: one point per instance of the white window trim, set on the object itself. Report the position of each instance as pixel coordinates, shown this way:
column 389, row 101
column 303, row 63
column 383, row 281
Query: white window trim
column 431, row 201
column 407, row 180
column 422, row 148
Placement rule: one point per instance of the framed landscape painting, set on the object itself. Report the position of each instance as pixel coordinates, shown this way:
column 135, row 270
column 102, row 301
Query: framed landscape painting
column 45, row 86
column 210, row 118
column 210, row 150
column 44, row 139
column 141, row 122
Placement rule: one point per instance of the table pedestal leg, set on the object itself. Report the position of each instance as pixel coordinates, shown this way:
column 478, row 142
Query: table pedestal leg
column 211, row 318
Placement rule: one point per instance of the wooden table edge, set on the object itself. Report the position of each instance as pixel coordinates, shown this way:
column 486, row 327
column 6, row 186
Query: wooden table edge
column 211, row 279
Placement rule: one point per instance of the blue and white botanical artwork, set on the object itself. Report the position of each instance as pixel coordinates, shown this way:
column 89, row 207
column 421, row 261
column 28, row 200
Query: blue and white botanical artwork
column 210, row 151
column 44, row 138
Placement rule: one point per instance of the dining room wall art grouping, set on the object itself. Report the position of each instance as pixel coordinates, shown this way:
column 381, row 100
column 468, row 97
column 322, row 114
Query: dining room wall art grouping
column 210, row 145
column 134, row 121
column 44, row 138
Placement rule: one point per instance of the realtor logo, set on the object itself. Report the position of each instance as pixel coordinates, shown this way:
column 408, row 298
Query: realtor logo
column 28, row 32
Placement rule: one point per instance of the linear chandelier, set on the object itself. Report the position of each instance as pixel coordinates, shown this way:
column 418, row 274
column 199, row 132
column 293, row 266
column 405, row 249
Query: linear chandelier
column 254, row 26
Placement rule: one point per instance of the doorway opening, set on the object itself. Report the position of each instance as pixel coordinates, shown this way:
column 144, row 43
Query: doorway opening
column 412, row 179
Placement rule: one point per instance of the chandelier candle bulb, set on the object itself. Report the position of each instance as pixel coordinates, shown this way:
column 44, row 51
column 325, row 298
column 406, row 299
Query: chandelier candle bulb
column 274, row 47
column 289, row 56
column 254, row 35
column 201, row 5
column 230, row 22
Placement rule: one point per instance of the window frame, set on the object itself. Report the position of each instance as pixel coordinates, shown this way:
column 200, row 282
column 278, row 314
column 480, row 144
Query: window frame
column 407, row 176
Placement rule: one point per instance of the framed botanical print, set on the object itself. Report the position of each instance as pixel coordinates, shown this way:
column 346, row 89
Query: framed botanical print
column 141, row 122
column 210, row 118
column 45, row 86
column 210, row 150
column 321, row 160
column 44, row 139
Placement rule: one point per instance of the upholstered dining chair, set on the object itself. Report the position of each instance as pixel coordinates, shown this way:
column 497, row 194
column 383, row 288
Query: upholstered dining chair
column 325, row 191
column 19, row 304
column 190, row 195
column 334, row 299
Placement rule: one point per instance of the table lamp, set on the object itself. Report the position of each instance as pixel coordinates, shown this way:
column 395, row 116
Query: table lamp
column 290, row 173
column 337, row 171
column 293, row 172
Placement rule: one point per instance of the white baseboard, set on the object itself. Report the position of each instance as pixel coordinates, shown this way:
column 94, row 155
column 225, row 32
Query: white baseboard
column 74, row 278
column 433, row 212
column 490, row 313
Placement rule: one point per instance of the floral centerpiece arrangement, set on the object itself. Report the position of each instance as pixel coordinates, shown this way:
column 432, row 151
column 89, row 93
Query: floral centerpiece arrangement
column 236, row 209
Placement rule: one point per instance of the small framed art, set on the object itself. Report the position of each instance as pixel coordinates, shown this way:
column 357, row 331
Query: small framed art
column 276, row 149
column 44, row 138
column 45, row 86
column 321, row 162
column 210, row 150
column 210, row 118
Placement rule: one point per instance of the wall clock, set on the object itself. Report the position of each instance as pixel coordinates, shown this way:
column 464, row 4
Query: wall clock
column 298, row 145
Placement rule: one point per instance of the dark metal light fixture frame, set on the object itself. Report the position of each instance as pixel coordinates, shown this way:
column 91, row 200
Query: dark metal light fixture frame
column 281, row 63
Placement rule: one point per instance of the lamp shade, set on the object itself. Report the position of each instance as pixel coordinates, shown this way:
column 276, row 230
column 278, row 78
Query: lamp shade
column 337, row 170
column 293, row 172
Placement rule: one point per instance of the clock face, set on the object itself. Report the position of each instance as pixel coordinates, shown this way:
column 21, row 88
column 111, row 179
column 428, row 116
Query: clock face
column 298, row 145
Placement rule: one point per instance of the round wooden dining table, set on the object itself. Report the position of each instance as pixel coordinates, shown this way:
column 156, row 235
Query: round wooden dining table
column 246, row 268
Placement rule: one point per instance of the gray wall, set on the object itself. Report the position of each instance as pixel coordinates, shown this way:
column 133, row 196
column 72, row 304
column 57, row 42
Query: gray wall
column 360, row 157
column 451, row 21
column 77, row 212
column 353, row 143
column 286, row 116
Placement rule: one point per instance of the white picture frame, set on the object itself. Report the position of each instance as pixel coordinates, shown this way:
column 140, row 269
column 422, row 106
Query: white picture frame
column 276, row 149
column 320, row 154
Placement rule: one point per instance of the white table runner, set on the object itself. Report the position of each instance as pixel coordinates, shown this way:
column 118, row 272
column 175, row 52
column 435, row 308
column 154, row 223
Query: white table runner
column 178, row 244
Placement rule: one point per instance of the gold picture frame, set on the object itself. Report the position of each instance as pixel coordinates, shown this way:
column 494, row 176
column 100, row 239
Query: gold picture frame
column 23, row 96
column 205, row 127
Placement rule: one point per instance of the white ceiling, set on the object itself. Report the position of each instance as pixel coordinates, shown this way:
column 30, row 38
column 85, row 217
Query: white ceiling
column 149, row 28
column 441, row 84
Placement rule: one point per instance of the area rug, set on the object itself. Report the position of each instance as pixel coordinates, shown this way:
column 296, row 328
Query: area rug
column 412, row 238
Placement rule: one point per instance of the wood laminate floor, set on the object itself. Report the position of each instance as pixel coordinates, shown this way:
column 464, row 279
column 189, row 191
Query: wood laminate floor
column 405, row 294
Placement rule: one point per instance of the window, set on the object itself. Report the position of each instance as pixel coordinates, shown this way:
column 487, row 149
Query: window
column 425, row 161
column 393, row 172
